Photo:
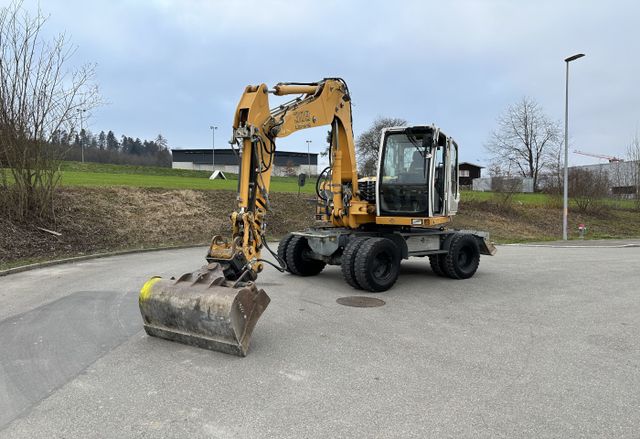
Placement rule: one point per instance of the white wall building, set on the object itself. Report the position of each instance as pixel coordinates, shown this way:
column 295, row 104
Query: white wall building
column 285, row 162
column 623, row 177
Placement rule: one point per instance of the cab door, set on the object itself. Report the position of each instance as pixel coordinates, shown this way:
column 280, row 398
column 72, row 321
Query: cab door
column 445, row 195
column 453, row 194
column 404, row 178
column 439, row 178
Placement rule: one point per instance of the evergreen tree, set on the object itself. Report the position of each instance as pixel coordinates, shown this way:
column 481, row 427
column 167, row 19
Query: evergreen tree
column 102, row 140
column 149, row 147
column 112, row 142
column 125, row 144
column 136, row 147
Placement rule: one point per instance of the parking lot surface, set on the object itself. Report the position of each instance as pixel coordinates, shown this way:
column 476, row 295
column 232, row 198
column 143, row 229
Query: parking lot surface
column 542, row 342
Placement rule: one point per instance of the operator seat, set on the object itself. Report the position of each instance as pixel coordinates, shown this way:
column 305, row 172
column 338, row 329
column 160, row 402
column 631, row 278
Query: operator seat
column 415, row 173
column 417, row 164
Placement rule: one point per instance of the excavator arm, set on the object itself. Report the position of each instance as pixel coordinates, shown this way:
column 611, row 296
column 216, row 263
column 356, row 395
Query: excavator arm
column 255, row 130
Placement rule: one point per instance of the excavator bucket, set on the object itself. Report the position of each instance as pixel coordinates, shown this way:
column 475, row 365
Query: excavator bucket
column 203, row 309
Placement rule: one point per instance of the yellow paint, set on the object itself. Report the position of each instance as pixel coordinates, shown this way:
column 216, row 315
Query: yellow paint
column 145, row 292
column 324, row 103
column 256, row 129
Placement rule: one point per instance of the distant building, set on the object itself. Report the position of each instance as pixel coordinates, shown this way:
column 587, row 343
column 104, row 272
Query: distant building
column 623, row 176
column 467, row 172
column 503, row 184
column 285, row 162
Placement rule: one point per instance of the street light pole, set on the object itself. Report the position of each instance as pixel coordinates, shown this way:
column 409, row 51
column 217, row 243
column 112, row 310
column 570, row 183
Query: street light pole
column 308, row 158
column 565, row 210
column 213, row 147
column 81, row 112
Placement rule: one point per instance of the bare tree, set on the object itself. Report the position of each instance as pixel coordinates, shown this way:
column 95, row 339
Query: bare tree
column 526, row 140
column 39, row 97
column 368, row 143
column 495, row 170
column 588, row 188
column 503, row 189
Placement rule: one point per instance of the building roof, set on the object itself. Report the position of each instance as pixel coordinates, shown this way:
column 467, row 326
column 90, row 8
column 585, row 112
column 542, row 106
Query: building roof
column 227, row 156
column 470, row 164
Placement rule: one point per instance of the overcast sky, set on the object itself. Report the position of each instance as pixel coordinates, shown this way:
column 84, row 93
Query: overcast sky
column 178, row 66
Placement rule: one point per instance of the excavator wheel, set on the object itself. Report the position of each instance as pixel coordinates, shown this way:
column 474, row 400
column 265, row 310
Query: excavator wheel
column 377, row 264
column 348, row 263
column 282, row 248
column 437, row 264
column 297, row 260
column 463, row 258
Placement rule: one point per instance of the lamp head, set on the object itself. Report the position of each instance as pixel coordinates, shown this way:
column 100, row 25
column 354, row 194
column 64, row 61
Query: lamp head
column 574, row 57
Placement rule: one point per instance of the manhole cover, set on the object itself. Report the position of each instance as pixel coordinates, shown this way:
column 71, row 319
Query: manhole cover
column 360, row 301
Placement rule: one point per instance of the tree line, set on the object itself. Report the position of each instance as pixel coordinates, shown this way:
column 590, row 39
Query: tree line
column 107, row 148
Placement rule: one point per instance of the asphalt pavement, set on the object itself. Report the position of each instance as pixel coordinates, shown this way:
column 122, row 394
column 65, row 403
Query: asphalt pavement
column 542, row 342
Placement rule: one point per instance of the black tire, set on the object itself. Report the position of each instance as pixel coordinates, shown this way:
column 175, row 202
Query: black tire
column 297, row 260
column 463, row 258
column 437, row 264
column 282, row 249
column 377, row 264
column 348, row 263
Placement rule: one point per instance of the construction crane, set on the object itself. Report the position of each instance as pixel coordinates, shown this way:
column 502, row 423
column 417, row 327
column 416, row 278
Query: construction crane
column 611, row 158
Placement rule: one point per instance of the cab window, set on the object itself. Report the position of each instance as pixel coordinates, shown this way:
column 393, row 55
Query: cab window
column 405, row 174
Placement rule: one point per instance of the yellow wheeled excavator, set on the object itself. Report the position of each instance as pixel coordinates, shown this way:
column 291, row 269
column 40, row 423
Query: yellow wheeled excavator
column 365, row 225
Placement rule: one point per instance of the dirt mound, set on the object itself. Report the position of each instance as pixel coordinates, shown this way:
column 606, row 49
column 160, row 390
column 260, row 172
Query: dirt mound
column 93, row 220
column 525, row 222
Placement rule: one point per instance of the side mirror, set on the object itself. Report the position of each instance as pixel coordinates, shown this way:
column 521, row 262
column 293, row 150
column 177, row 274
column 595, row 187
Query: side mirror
column 302, row 179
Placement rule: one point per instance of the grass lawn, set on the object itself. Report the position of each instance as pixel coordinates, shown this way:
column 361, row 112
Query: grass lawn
column 541, row 200
column 530, row 199
column 98, row 174
column 108, row 168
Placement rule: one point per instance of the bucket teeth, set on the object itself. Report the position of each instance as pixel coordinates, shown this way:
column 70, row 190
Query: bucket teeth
column 203, row 309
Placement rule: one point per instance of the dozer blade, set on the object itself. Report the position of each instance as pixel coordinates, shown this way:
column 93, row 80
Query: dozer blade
column 203, row 309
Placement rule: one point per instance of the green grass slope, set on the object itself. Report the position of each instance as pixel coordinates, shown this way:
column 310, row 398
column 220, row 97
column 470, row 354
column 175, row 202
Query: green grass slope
column 107, row 175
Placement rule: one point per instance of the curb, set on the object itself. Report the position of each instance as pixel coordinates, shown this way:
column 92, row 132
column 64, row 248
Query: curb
column 573, row 246
column 93, row 256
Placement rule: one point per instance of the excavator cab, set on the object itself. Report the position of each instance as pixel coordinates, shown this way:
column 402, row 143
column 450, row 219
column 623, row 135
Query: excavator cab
column 417, row 173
